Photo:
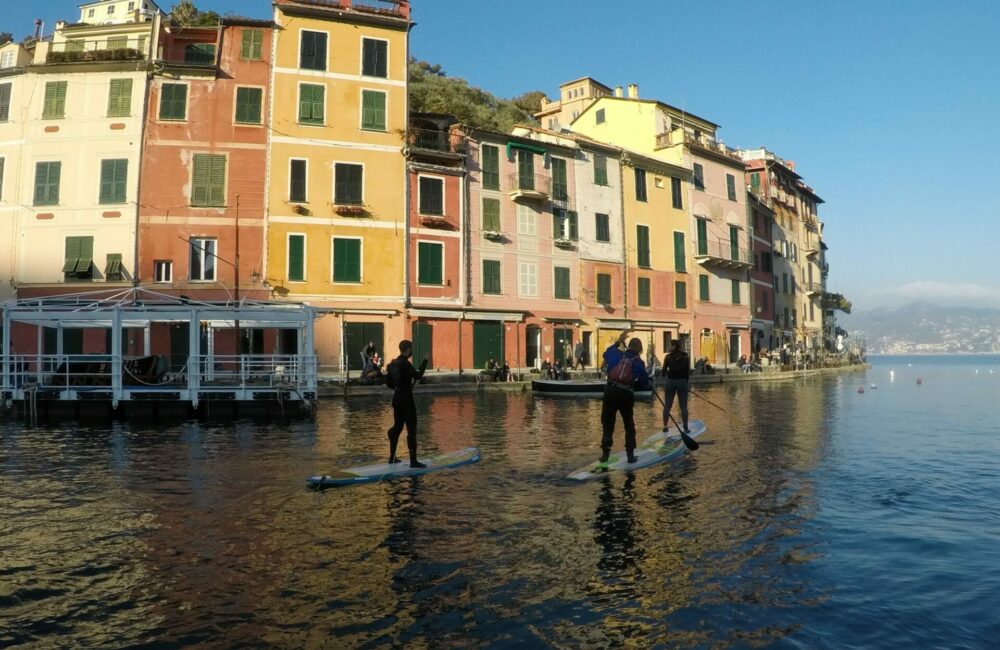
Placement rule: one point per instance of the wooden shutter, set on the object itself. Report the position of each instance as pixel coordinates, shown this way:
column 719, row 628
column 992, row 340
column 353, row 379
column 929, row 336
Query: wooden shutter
column 600, row 170
column 642, row 245
column 574, row 226
column 526, row 170
column 2, row 160
column 430, row 270
column 55, row 99
column 675, row 189
column 248, row 105
column 72, row 254
column 491, row 167
column 47, row 183
column 562, row 282
column 217, row 181
column 173, row 101
column 373, row 110
column 734, row 243
column 680, row 261
column 313, row 55
column 559, row 183
column 680, row 295
column 252, row 45
column 5, row 101
column 491, row 214
column 120, row 98
column 731, row 186
column 113, row 175
column 640, row 184
column 643, row 285
column 297, row 186
column 200, row 179
column 736, row 292
column 86, row 254
column 604, row 288
column 702, row 226
column 296, row 258
column 703, row 287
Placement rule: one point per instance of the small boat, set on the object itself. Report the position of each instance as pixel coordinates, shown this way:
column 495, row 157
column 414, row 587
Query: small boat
column 575, row 388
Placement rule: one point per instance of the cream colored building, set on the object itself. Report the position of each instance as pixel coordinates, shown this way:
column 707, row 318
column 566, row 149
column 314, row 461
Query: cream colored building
column 70, row 144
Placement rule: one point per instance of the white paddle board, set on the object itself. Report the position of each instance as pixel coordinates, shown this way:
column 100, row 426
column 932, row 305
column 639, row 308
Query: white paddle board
column 657, row 448
column 383, row 471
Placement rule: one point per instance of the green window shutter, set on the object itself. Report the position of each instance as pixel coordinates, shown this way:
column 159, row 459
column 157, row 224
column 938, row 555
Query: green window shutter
column 5, row 101
column 703, row 287
column 675, row 191
column 640, row 185
column 200, row 180
column 734, row 243
column 346, row 260
column 373, row 110
column 120, row 98
column 208, row 186
column 603, row 227
column 600, row 170
column 113, row 266
column 491, row 167
column 680, row 255
column 312, row 55
column 560, row 191
column 558, row 214
column 642, row 246
column 113, row 181
column 699, row 176
column 562, row 288
column 680, row 295
column 431, row 192
column 253, row 44
column 525, row 170
column 491, row 214
column 47, row 183
column 297, row 186
column 574, row 226
column 436, row 266
column 736, row 292
column 200, row 54
column 173, row 101
column 755, row 183
column 296, row 258
column 731, row 186
column 374, row 58
column 348, row 181
column 491, row 277
column 86, row 255
column 217, row 182
column 55, row 100
column 603, row 289
column 643, row 286
column 248, row 105
column 429, row 268
column 311, row 104
column 72, row 254
column 702, row 246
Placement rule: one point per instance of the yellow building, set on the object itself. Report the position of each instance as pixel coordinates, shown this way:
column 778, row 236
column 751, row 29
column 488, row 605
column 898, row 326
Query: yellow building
column 337, row 205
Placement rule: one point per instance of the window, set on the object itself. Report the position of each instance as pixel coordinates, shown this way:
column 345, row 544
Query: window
column 731, row 187
column 312, row 50
column 199, row 54
column 163, row 271
column 565, row 225
column 702, row 244
column 173, row 101
column 561, row 283
column 736, row 292
column 90, row 13
column 79, row 258
column 202, row 267
column 525, row 170
column 527, row 220
column 603, row 289
column 603, row 227
column 491, row 167
column 680, row 255
column 560, row 192
column 699, row 177
column 766, row 262
column 599, row 114
column 373, row 110
column 120, row 98
column 784, row 283
column 642, row 246
column 787, row 322
column 600, row 170
column 297, row 181
column 680, row 295
column 431, row 192
column 675, row 193
column 312, row 108
column 131, row 6
column 248, row 105
column 491, row 277
column 703, row 287
column 348, row 184
column 47, row 183
column 113, row 267
column 5, row 101
column 346, row 260
column 763, row 300
column 812, row 311
column 55, row 100
column 491, row 214
column 795, row 318
column 734, row 243
column 640, row 184
column 528, row 276
column 429, row 263
column 252, row 47
column 643, row 287
column 374, row 58
column 208, row 182
column 296, row 258
column 111, row 10
column 113, row 177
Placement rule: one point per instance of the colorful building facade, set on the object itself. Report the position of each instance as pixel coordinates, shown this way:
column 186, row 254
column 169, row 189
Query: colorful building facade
column 761, row 275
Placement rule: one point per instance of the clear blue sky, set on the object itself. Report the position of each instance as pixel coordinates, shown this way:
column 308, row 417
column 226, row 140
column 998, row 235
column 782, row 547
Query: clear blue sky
column 890, row 109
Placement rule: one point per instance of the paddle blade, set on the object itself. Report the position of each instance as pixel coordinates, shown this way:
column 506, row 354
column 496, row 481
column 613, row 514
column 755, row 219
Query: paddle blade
column 689, row 442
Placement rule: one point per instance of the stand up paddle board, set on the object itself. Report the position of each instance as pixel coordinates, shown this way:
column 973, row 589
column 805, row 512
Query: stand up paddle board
column 383, row 471
column 657, row 448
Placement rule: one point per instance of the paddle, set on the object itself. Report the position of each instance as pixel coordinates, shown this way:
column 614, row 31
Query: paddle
column 688, row 441
column 698, row 395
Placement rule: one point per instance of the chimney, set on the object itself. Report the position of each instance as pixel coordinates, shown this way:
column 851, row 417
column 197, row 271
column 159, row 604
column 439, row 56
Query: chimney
column 38, row 28
column 633, row 91
column 618, row 91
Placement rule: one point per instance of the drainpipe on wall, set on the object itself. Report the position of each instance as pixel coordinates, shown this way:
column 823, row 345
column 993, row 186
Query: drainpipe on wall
column 150, row 73
column 621, row 194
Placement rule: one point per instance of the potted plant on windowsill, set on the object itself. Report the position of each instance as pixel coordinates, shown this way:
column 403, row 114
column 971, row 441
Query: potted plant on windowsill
column 298, row 208
column 349, row 209
column 493, row 235
column 434, row 220
column 562, row 242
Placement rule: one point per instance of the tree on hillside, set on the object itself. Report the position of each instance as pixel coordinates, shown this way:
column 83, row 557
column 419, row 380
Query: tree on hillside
column 6, row 37
column 433, row 91
column 184, row 13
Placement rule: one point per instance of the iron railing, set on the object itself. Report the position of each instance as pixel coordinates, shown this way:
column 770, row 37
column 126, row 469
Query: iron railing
column 529, row 183
column 108, row 49
column 722, row 250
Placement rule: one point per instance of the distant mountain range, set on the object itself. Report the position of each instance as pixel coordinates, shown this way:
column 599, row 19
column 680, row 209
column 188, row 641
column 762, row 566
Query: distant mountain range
column 925, row 328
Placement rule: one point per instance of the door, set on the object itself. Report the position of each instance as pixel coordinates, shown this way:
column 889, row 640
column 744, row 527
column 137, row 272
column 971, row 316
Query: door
column 586, row 348
column 734, row 347
column 563, row 336
column 180, row 346
column 532, row 341
column 423, row 343
column 288, row 341
column 357, row 337
column 487, row 343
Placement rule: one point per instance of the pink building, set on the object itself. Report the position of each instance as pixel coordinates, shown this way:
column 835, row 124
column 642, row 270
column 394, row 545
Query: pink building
column 761, row 275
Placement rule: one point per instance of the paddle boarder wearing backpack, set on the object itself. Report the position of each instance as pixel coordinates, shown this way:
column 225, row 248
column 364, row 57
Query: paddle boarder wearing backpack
column 626, row 372
column 401, row 376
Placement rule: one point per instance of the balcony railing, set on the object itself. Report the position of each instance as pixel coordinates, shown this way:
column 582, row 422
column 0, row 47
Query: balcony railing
column 529, row 186
column 400, row 8
column 433, row 140
column 710, row 144
column 722, row 253
column 812, row 288
column 79, row 50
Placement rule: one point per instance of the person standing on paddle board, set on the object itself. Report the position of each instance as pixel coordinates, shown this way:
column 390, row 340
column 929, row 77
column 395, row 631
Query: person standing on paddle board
column 626, row 372
column 401, row 377
column 677, row 370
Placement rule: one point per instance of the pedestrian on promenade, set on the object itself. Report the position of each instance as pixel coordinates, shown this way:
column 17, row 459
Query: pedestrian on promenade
column 581, row 355
column 401, row 377
column 677, row 371
column 626, row 373
column 568, row 356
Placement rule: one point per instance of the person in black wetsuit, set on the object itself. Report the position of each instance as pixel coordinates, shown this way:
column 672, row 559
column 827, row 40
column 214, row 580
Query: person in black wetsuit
column 677, row 370
column 619, row 397
column 403, row 375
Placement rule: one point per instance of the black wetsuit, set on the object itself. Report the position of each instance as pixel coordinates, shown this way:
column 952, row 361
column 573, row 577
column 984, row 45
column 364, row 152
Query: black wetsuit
column 404, row 410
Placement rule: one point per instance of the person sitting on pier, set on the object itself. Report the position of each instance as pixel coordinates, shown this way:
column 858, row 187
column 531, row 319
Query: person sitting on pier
column 546, row 369
column 505, row 372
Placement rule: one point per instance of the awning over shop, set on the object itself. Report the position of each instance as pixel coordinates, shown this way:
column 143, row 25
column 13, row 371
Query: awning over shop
column 524, row 147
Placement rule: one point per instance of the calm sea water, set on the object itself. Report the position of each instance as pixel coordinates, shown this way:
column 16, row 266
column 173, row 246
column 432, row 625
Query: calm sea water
column 812, row 516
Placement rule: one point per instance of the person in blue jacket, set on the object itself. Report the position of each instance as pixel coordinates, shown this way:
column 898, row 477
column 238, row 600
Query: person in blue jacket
column 626, row 373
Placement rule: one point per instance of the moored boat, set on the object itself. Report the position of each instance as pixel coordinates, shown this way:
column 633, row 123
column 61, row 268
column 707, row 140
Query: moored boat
column 574, row 388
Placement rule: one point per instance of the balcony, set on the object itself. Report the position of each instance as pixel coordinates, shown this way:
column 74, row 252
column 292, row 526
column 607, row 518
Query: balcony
column 531, row 187
column 722, row 254
column 811, row 249
column 395, row 8
column 836, row 301
column 435, row 143
column 812, row 289
column 706, row 143
column 94, row 50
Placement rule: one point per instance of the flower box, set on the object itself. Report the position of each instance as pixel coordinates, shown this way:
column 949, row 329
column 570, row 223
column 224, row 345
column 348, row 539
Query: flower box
column 434, row 220
column 563, row 243
column 493, row 235
column 350, row 210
